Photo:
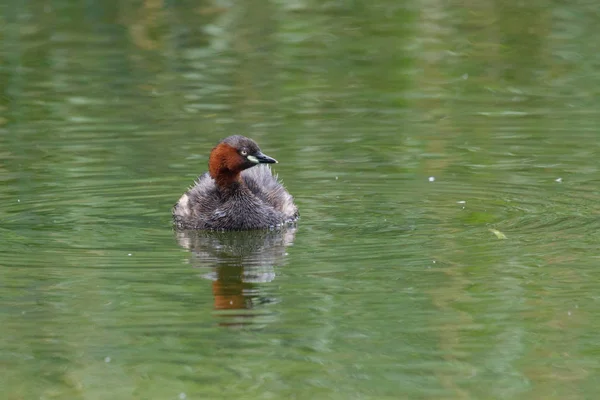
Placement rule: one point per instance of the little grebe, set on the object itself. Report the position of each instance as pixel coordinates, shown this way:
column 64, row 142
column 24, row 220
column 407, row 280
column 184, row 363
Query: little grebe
column 233, row 195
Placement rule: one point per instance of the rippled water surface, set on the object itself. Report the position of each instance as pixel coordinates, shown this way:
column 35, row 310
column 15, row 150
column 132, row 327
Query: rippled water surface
column 444, row 157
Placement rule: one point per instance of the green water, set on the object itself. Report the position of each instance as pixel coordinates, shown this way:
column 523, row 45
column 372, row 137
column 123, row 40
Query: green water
column 444, row 157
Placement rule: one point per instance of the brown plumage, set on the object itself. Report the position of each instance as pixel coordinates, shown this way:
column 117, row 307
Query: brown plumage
column 239, row 192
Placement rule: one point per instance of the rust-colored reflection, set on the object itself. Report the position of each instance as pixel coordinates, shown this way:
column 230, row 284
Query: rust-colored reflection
column 240, row 264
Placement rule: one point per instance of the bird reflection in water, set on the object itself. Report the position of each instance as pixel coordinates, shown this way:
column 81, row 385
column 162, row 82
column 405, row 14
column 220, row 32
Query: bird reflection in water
column 240, row 264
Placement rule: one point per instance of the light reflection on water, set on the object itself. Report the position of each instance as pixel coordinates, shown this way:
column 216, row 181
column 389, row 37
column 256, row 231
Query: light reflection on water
column 238, row 263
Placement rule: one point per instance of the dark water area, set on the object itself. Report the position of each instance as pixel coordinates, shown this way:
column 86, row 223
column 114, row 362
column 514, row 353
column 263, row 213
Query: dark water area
column 443, row 155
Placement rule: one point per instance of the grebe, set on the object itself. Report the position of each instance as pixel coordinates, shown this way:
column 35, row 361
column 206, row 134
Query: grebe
column 238, row 193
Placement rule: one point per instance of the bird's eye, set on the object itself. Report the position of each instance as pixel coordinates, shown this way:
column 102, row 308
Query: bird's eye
column 244, row 153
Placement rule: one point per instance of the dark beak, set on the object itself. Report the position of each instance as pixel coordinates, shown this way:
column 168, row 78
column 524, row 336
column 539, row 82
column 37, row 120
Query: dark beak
column 264, row 159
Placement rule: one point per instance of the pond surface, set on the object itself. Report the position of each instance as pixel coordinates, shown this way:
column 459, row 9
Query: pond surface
column 444, row 157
